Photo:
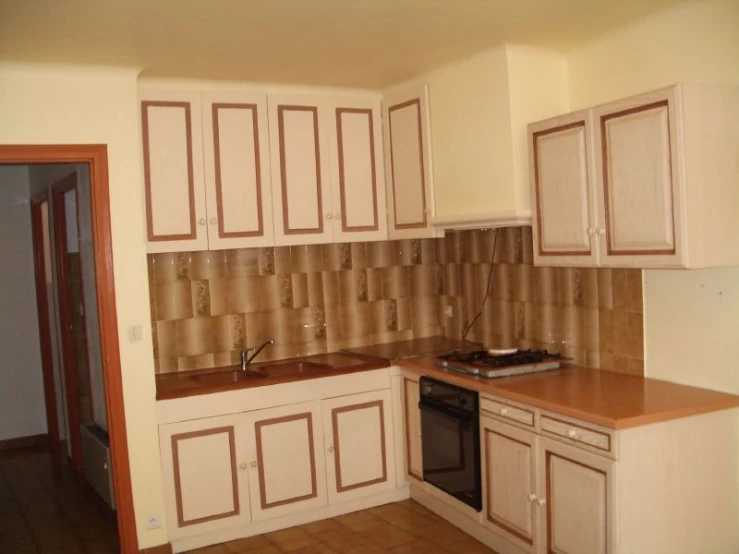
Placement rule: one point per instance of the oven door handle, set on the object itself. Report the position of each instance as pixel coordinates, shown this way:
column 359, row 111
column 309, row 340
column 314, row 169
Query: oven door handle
column 451, row 411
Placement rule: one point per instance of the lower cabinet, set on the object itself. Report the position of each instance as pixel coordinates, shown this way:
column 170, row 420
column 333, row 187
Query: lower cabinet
column 545, row 496
column 411, row 396
column 227, row 471
column 204, row 463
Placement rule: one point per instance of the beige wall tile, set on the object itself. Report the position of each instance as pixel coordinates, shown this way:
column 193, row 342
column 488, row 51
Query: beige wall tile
column 174, row 300
column 242, row 263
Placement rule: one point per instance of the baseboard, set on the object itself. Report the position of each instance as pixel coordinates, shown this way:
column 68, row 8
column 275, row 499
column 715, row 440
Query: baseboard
column 24, row 442
column 161, row 549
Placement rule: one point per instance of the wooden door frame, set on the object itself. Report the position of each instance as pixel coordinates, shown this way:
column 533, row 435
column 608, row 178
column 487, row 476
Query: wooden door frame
column 44, row 325
column 70, row 358
column 96, row 157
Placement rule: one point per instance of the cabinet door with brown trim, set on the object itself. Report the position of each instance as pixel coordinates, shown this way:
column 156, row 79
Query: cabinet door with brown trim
column 509, row 475
column 173, row 171
column 358, row 431
column 286, row 466
column 412, row 428
column 357, row 176
column 237, row 170
column 576, row 500
column 204, row 470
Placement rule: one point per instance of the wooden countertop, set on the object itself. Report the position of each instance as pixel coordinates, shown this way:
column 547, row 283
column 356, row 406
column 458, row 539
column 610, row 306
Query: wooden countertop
column 605, row 398
column 410, row 348
column 191, row 383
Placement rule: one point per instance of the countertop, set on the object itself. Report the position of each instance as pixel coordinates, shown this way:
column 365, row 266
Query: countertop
column 605, row 398
column 191, row 383
column 393, row 351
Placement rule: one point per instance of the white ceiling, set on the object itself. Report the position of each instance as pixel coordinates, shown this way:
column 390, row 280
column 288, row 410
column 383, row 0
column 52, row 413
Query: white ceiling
column 357, row 43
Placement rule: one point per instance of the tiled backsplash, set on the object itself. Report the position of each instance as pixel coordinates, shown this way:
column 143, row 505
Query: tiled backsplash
column 206, row 306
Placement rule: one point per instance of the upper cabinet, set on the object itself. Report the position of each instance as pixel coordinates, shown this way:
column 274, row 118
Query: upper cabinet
column 327, row 164
column 640, row 182
column 410, row 195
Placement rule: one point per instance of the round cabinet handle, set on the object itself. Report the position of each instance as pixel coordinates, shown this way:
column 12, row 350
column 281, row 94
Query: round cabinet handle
column 329, row 216
column 254, row 464
column 202, row 221
column 331, row 449
column 571, row 433
column 591, row 231
column 601, row 231
column 503, row 411
column 337, row 215
column 242, row 465
column 541, row 502
column 213, row 221
column 532, row 497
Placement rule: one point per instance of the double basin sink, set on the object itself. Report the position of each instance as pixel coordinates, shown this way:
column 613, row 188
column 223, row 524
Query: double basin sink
column 261, row 371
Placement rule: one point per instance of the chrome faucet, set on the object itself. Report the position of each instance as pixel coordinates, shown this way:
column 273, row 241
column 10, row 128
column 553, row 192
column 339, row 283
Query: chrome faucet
column 246, row 359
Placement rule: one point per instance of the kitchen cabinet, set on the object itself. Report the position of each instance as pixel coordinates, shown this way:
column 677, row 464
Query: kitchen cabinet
column 409, row 174
column 412, row 427
column 639, row 182
column 206, row 170
column 204, row 468
column 358, row 431
column 326, row 158
column 287, row 469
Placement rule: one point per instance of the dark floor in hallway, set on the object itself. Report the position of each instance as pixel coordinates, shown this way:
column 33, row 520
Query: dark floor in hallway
column 43, row 513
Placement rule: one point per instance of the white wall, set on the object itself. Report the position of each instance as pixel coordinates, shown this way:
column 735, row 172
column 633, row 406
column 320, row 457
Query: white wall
column 691, row 317
column 69, row 105
column 21, row 378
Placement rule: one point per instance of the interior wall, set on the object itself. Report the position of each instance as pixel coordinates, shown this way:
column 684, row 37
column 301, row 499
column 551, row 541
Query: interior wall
column 72, row 105
column 691, row 317
column 21, row 377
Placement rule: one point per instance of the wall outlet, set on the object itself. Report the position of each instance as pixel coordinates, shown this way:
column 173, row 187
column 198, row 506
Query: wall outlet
column 153, row 522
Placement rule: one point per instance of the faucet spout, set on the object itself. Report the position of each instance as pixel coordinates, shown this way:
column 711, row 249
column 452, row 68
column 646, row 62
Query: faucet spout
column 248, row 355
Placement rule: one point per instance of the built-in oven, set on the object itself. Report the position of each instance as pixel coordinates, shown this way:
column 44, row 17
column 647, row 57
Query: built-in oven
column 450, row 426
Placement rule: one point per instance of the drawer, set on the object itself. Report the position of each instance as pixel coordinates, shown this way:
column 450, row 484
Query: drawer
column 509, row 412
column 599, row 440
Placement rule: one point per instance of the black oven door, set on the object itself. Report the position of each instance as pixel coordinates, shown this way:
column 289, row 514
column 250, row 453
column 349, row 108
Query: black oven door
column 451, row 451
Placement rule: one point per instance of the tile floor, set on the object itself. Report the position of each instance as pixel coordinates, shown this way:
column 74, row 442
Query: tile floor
column 400, row 528
column 44, row 513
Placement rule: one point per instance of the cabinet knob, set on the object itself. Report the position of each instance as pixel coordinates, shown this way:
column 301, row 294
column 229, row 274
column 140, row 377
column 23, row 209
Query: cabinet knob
column 329, row 216
column 331, row 449
column 242, row 465
column 541, row 501
column 254, row 464
column 202, row 221
column 503, row 411
column 418, row 434
column 571, row 433
column 337, row 215
column 590, row 231
column 213, row 221
column 601, row 231
column 532, row 497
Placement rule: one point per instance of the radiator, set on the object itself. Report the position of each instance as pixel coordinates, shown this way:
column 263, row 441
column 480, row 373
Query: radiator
column 96, row 461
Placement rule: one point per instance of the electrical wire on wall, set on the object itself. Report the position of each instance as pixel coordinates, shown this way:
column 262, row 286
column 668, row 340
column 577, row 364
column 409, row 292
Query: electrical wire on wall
column 487, row 289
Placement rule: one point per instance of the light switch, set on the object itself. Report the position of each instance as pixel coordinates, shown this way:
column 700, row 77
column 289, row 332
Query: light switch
column 135, row 333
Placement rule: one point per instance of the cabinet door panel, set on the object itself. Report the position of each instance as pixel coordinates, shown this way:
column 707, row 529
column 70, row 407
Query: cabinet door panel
column 359, row 429
column 639, row 180
column 359, row 187
column 579, row 500
column 175, row 201
column 409, row 169
column 509, row 469
column 204, row 487
column 237, row 170
column 299, row 141
column 287, row 474
column 413, row 448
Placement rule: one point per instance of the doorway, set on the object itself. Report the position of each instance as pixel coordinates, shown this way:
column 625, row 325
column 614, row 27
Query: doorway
column 94, row 158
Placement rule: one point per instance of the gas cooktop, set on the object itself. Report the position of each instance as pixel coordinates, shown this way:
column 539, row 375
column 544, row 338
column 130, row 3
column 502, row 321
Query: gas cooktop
column 486, row 364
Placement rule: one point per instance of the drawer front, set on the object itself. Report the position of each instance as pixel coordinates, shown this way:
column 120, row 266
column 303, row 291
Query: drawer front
column 599, row 440
column 508, row 412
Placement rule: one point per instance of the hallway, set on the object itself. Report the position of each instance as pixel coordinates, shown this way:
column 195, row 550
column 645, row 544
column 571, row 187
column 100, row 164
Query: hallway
column 45, row 514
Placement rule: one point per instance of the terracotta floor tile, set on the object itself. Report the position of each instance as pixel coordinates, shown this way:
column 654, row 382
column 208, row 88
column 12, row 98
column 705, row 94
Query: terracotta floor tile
column 359, row 521
column 441, row 532
column 316, row 527
column 267, row 549
column 318, row 548
column 388, row 535
column 342, row 541
column 291, row 539
column 369, row 549
column 420, row 547
column 215, row 549
column 469, row 546
column 242, row 545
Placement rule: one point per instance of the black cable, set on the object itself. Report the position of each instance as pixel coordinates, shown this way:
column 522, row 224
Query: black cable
column 487, row 292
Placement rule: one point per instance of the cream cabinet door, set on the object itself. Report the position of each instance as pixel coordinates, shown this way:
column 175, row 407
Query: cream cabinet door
column 299, row 147
column 358, row 432
column 237, row 170
column 204, row 470
column 357, row 177
column 639, row 177
column 287, row 472
column 564, row 211
column 509, row 473
column 173, row 171
column 577, row 490
column 407, row 140
column 412, row 428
